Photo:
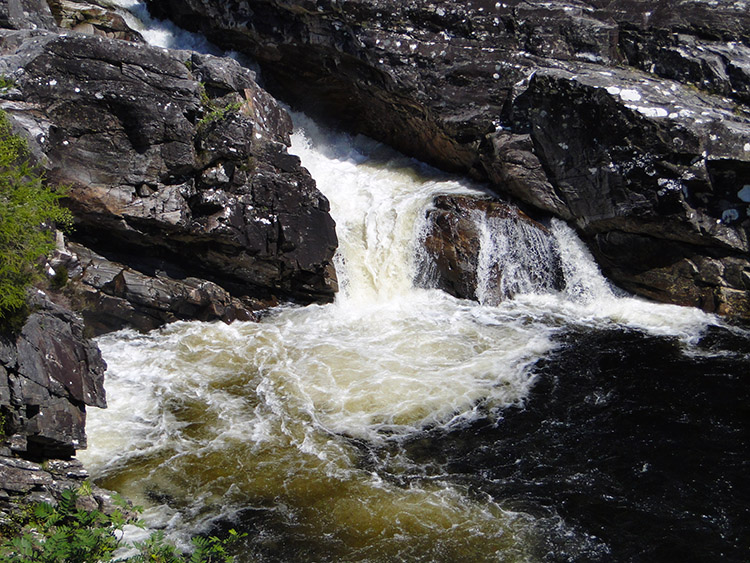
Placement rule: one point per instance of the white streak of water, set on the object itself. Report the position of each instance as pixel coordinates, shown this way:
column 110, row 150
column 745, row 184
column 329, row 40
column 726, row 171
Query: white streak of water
column 219, row 418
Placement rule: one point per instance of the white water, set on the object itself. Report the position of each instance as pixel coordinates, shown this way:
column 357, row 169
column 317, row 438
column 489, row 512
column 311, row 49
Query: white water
column 217, row 418
column 206, row 419
column 158, row 32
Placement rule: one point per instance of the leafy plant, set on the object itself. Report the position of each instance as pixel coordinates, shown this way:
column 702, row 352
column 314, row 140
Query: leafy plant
column 64, row 533
column 6, row 83
column 214, row 111
column 60, row 279
column 3, row 422
column 28, row 211
column 205, row 550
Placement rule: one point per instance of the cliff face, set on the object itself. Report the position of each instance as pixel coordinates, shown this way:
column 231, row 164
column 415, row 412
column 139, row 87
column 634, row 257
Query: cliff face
column 49, row 373
column 178, row 171
column 628, row 119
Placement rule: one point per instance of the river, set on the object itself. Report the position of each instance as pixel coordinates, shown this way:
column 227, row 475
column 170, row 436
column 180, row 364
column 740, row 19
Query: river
column 402, row 424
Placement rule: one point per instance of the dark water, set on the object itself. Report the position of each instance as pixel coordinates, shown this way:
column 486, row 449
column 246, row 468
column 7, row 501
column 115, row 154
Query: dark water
column 627, row 450
column 642, row 450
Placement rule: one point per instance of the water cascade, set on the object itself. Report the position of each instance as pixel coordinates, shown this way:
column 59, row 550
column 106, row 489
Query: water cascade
column 312, row 429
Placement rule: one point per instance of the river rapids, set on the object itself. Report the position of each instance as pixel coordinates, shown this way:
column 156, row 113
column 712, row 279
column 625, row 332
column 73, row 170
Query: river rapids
column 402, row 424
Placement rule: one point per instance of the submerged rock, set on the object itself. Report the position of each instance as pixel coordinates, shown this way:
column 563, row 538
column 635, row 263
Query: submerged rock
column 628, row 119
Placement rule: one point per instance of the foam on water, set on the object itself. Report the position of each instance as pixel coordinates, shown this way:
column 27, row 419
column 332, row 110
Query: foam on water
column 161, row 33
column 205, row 419
column 218, row 418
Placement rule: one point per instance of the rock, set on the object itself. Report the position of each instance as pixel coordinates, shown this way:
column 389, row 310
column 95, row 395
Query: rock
column 488, row 251
column 112, row 296
column 49, row 372
column 640, row 159
column 620, row 117
column 91, row 19
column 23, row 482
column 177, row 158
column 25, row 14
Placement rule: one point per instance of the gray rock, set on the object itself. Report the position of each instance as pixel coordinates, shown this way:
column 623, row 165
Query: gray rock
column 25, row 14
column 23, row 483
column 53, row 374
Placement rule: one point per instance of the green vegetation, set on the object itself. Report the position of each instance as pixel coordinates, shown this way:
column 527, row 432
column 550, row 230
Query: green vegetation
column 3, row 422
column 67, row 534
column 214, row 111
column 6, row 83
column 29, row 210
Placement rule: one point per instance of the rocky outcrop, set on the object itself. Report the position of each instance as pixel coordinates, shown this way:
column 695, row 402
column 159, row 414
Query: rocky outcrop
column 111, row 296
column 91, row 19
column 24, row 482
column 653, row 174
column 49, row 372
column 178, row 171
column 488, row 251
column 627, row 119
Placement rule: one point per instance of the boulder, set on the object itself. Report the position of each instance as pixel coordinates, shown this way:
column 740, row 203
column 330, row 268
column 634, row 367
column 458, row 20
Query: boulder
column 175, row 158
column 627, row 119
column 487, row 250
column 49, row 371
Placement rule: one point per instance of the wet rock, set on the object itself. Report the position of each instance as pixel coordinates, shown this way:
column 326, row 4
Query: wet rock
column 617, row 116
column 178, row 158
column 487, row 250
column 650, row 160
column 50, row 371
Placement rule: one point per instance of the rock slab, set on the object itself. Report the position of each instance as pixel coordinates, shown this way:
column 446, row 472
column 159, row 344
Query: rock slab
column 49, row 372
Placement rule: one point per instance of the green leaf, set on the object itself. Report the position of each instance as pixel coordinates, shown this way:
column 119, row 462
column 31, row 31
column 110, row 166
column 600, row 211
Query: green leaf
column 28, row 211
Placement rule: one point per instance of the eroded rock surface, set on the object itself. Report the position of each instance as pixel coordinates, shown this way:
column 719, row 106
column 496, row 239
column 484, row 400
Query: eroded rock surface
column 177, row 159
column 49, row 372
column 628, row 119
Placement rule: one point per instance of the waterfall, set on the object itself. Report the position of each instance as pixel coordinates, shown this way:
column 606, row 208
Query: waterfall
column 294, row 425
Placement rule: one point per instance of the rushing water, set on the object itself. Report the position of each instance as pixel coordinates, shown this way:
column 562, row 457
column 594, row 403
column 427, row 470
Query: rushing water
column 402, row 424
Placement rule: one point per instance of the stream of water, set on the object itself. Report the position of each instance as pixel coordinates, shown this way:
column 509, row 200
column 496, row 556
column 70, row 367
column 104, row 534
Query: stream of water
column 402, row 424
